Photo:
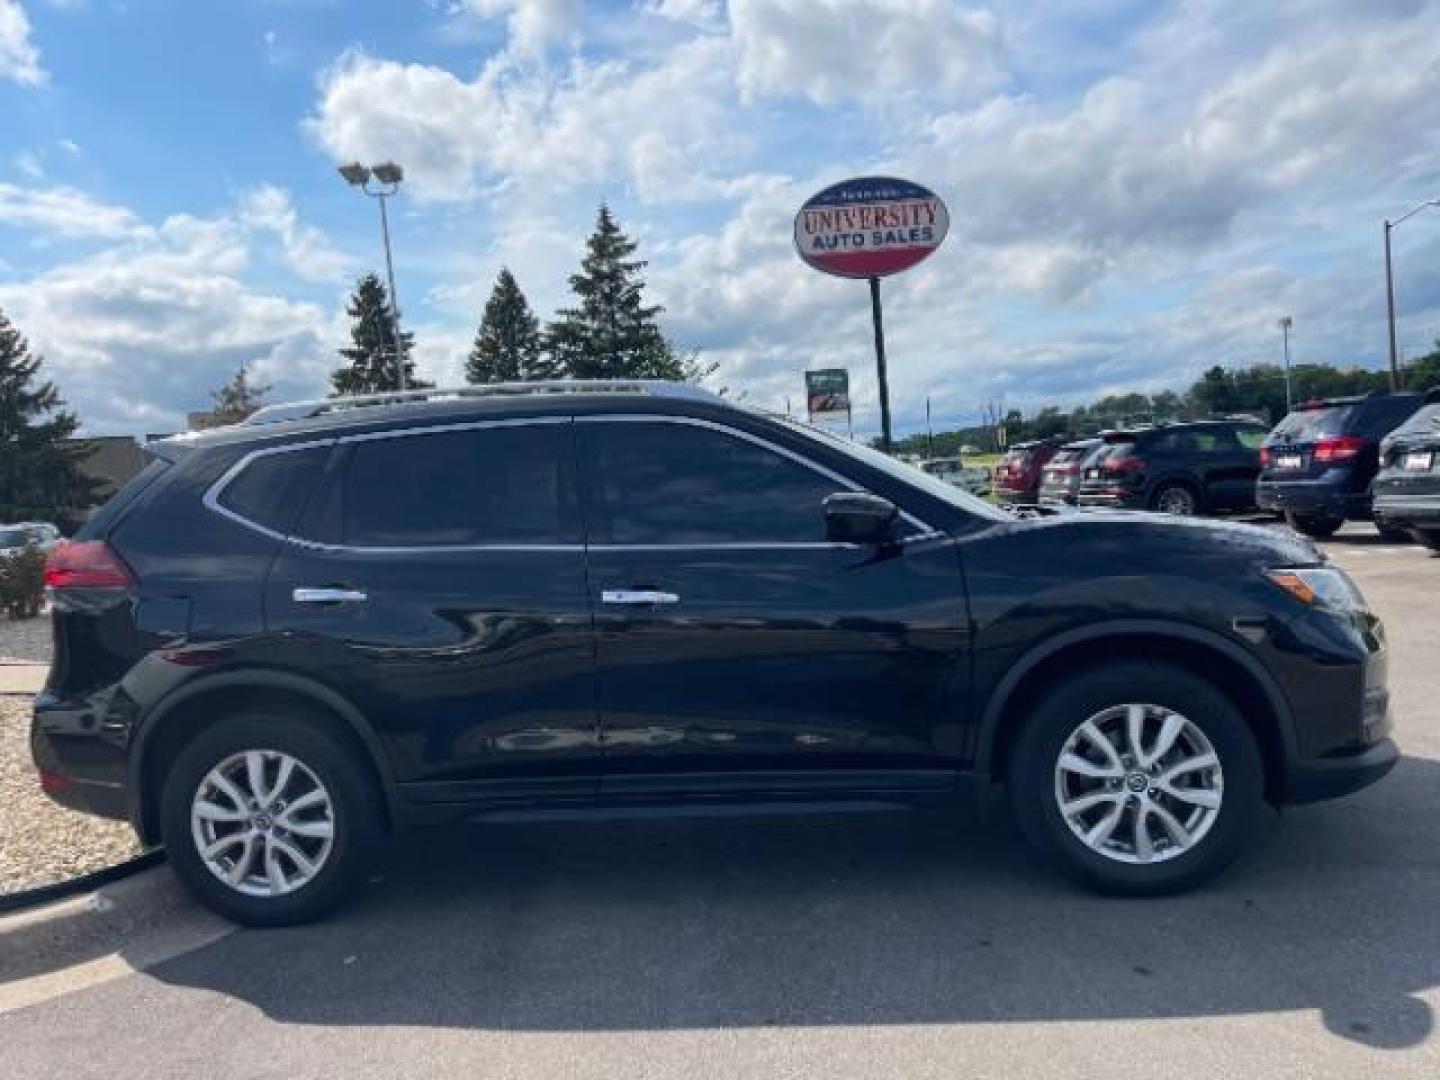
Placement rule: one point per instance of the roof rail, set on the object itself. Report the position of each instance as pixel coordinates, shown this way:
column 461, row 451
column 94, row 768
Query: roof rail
column 304, row 410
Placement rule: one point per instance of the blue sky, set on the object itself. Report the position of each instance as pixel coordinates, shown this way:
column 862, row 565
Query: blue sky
column 1137, row 190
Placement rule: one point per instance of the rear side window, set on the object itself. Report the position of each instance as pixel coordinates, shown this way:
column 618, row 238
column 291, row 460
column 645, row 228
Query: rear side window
column 483, row 486
column 1251, row 438
column 272, row 489
column 1309, row 424
column 661, row 483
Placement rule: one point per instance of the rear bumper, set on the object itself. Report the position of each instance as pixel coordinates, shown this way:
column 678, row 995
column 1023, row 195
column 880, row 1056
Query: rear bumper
column 1339, row 774
column 80, row 757
column 1130, row 500
column 1400, row 509
column 1027, row 496
column 1312, row 497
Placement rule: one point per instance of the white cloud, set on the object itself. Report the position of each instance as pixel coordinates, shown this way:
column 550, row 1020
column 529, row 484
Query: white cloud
column 664, row 128
column 704, row 14
column 19, row 59
column 65, row 212
column 533, row 25
column 837, row 50
column 307, row 250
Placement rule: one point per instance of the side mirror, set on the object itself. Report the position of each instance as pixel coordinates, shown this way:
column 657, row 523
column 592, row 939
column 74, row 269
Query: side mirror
column 856, row 517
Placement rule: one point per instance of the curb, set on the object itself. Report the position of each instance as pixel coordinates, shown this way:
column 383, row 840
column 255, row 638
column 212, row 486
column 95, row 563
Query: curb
column 25, row 899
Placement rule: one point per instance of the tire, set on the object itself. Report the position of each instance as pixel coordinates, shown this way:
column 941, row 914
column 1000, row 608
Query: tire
column 1038, row 780
column 1429, row 537
column 351, row 807
column 1175, row 498
column 1392, row 535
column 1315, row 527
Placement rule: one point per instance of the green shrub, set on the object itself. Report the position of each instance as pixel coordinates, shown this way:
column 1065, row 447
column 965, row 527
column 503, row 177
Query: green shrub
column 22, row 583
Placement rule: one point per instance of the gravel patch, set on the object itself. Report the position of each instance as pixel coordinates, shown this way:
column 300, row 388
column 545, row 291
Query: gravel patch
column 25, row 639
column 41, row 842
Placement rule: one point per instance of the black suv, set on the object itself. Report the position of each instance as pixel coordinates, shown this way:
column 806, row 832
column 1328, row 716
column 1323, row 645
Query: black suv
column 1184, row 469
column 1318, row 464
column 285, row 638
column 1407, row 488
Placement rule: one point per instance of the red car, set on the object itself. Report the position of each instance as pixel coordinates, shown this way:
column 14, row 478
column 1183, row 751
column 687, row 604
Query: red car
column 1017, row 477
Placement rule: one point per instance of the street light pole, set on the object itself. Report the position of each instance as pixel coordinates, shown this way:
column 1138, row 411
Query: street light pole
column 1389, row 227
column 389, row 175
column 1285, row 324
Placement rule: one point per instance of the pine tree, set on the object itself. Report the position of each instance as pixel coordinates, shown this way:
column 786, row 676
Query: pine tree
column 611, row 335
column 507, row 345
column 40, row 474
column 370, row 365
column 238, row 398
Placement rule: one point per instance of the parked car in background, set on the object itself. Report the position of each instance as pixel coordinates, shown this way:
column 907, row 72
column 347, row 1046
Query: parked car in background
column 1317, row 466
column 1178, row 468
column 1060, row 479
column 287, row 637
column 978, row 480
column 39, row 534
column 1017, row 477
column 1407, row 487
column 1202, row 467
column 949, row 469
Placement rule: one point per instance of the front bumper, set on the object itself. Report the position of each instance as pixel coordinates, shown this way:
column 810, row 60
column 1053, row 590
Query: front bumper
column 1339, row 774
column 1315, row 497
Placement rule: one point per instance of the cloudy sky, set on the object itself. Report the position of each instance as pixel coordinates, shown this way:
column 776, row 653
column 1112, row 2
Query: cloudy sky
column 1137, row 190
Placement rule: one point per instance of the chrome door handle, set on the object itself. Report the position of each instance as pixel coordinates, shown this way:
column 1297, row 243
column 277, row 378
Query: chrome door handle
column 328, row 596
column 638, row 596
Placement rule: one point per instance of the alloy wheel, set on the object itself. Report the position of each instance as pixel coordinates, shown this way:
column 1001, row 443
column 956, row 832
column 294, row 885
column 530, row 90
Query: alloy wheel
column 263, row 823
column 1176, row 500
column 1138, row 783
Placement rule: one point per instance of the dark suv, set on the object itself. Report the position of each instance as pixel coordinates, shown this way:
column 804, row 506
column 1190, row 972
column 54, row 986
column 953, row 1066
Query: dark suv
column 1183, row 469
column 1318, row 464
column 285, row 638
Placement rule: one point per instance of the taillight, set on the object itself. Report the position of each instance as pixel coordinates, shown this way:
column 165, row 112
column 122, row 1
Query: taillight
column 1264, row 457
column 1120, row 466
column 86, row 564
column 1339, row 448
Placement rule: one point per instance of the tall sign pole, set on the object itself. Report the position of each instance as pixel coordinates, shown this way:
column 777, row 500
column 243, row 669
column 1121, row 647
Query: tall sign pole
column 871, row 227
column 877, row 315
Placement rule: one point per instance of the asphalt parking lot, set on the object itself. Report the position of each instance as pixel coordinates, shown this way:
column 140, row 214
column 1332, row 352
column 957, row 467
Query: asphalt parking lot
column 876, row 946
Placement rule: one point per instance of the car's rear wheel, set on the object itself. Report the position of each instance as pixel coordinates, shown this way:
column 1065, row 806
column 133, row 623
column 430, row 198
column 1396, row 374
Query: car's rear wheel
column 1177, row 499
column 269, row 820
column 1392, row 534
column 1137, row 779
column 1313, row 525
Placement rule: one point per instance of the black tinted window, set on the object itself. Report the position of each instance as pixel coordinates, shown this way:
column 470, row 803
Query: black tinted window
column 272, row 489
column 500, row 485
column 662, row 483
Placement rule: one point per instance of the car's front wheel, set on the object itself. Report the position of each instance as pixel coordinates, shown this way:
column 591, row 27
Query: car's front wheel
column 269, row 819
column 1137, row 779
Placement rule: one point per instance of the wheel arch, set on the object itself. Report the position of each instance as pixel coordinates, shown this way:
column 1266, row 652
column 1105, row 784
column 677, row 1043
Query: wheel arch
column 1236, row 673
column 187, row 711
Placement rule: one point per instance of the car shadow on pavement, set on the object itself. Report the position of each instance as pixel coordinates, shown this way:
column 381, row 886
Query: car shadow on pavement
column 876, row 919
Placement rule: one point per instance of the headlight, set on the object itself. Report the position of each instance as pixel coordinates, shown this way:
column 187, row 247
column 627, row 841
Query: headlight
column 1321, row 587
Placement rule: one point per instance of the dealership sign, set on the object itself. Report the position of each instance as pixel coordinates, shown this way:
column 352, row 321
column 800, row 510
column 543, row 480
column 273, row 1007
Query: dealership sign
column 870, row 227
column 827, row 392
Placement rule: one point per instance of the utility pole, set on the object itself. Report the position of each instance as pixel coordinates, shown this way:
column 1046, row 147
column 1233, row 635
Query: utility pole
column 1389, row 227
column 1286, row 322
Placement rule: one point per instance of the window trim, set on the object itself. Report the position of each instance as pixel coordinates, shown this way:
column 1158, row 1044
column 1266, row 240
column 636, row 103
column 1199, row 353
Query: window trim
column 213, row 494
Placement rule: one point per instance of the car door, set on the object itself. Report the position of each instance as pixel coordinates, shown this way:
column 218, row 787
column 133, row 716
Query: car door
column 1230, row 465
column 438, row 582
column 735, row 645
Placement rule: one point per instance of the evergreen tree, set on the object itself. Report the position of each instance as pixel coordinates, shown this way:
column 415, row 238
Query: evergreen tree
column 371, row 362
column 238, row 398
column 611, row 334
column 40, row 474
column 507, row 345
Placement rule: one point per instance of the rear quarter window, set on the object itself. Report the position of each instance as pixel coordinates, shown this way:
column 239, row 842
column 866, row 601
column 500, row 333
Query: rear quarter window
column 272, row 489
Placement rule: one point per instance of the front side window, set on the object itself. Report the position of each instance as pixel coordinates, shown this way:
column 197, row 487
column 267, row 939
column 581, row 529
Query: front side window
column 667, row 483
column 473, row 487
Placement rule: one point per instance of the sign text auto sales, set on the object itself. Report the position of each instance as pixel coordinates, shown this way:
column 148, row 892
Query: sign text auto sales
column 837, row 228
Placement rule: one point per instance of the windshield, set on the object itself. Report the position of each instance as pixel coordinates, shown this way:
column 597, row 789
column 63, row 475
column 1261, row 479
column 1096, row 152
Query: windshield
column 1307, row 424
column 908, row 474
